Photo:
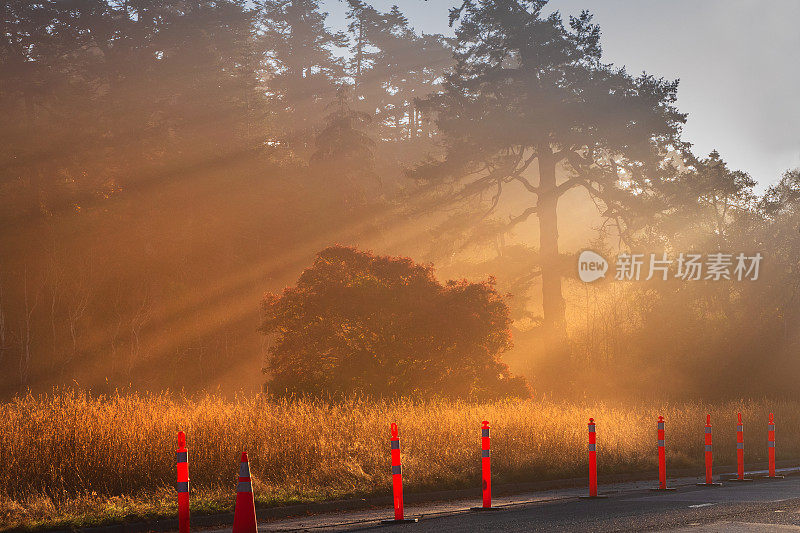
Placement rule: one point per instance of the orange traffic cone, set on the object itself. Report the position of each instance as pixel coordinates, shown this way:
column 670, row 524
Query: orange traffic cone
column 244, row 517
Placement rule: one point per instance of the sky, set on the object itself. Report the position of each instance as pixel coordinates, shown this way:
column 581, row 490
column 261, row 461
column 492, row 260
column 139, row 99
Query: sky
column 738, row 62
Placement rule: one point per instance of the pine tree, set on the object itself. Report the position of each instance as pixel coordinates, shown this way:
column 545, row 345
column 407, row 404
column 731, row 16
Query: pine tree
column 303, row 71
column 530, row 92
column 392, row 66
column 365, row 22
column 344, row 156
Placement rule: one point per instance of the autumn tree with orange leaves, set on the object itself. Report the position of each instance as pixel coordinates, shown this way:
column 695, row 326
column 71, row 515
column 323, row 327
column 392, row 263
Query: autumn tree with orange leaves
column 361, row 324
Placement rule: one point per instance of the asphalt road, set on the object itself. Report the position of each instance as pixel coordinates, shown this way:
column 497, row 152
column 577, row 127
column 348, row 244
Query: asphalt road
column 768, row 505
column 761, row 506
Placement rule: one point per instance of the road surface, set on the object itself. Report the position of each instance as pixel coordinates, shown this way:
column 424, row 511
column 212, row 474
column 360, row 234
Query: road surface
column 760, row 506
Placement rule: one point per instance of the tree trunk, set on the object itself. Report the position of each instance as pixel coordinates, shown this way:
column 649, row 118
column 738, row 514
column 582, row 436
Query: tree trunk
column 359, row 54
column 552, row 300
column 2, row 327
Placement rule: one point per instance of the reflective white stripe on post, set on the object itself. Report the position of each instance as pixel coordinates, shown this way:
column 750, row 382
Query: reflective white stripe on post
column 740, row 427
column 244, row 486
column 771, row 427
column 396, row 470
column 708, row 430
column 592, row 447
column 661, row 443
column 485, row 453
column 708, row 447
column 244, row 469
column 740, row 445
column 771, row 444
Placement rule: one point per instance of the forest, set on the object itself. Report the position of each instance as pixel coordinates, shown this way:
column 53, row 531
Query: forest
column 165, row 163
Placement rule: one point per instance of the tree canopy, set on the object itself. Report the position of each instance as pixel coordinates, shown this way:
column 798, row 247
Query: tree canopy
column 527, row 88
column 357, row 323
column 163, row 163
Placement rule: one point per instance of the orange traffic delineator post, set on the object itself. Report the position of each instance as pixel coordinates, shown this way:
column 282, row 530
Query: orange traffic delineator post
column 592, row 462
column 771, row 448
column 182, row 461
column 662, row 458
column 397, row 480
column 709, row 457
column 740, row 451
column 486, row 469
column 244, row 514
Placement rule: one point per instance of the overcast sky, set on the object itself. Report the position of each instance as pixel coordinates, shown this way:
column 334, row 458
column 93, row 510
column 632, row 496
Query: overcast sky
column 738, row 62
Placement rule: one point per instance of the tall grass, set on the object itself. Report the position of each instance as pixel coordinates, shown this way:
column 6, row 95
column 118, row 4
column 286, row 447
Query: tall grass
column 68, row 447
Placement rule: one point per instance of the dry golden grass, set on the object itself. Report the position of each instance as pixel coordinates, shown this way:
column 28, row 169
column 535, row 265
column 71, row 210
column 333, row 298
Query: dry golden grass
column 69, row 459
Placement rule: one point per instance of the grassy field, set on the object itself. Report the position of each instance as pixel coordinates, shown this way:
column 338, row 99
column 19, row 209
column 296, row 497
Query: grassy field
column 66, row 459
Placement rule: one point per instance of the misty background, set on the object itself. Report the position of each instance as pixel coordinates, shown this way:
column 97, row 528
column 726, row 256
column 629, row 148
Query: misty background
column 736, row 85
column 166, row 163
